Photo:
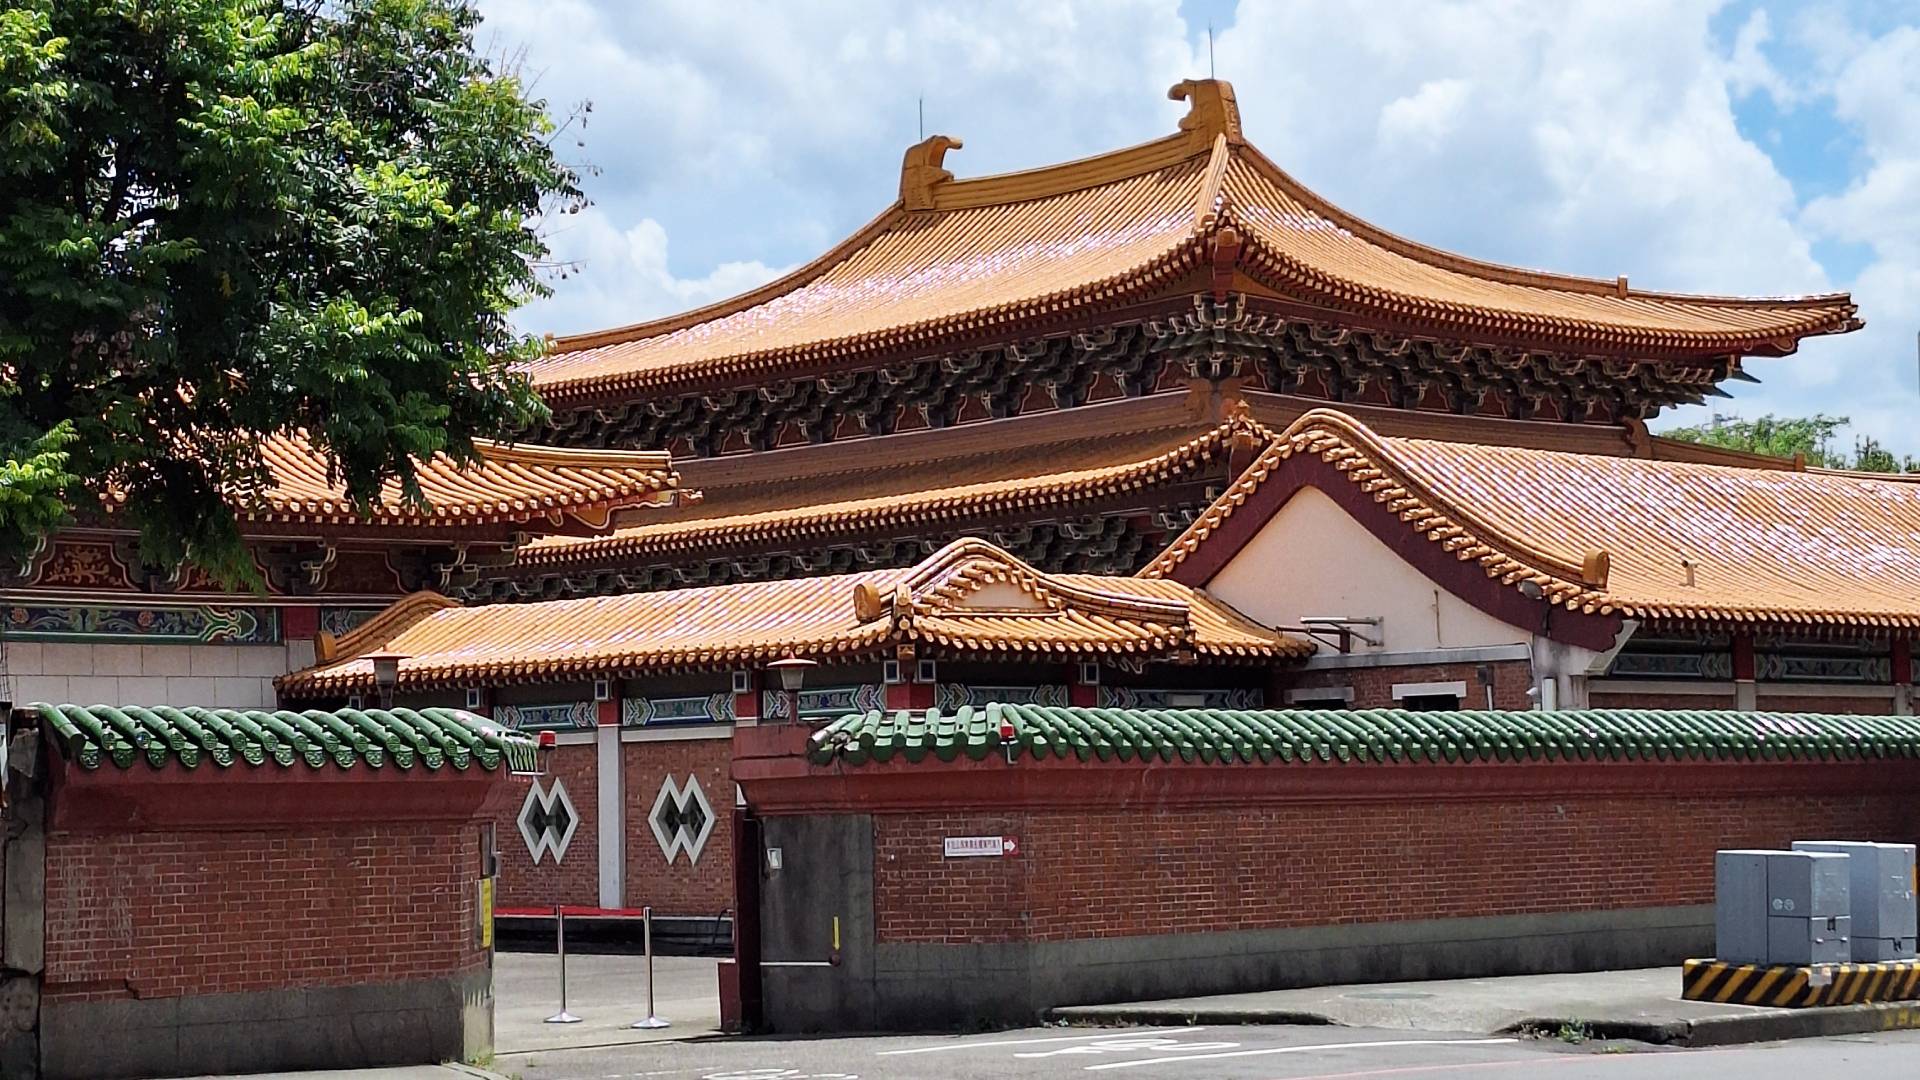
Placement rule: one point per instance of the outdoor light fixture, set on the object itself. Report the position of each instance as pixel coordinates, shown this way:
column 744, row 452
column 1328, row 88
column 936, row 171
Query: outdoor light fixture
column 793, row 675
column 386, row 673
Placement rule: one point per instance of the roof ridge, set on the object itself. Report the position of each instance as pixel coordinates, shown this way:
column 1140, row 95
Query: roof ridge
column 1368, row 462
column 1589, row 572
column 926, row 185
column 785, row 283
column 571, row 456
column 1504, row 273
column 390, row 623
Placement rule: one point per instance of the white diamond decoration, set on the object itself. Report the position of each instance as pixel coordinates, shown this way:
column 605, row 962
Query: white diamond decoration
column 547, row 821
column 682, row 818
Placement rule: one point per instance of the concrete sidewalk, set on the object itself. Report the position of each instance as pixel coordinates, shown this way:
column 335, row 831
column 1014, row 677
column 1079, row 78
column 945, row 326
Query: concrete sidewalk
column 1644, row 1005
column 607, row 992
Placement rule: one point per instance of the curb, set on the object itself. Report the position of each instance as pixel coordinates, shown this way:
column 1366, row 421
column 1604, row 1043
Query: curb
column 1772, row 1025
column 1148, row 1016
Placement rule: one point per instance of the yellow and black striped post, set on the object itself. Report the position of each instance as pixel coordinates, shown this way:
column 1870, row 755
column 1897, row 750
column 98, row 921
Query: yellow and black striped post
column 1799, row 987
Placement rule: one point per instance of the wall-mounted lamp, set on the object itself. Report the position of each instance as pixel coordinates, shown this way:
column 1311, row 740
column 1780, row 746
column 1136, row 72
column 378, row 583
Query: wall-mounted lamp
column 386, row 673
column 793, row 675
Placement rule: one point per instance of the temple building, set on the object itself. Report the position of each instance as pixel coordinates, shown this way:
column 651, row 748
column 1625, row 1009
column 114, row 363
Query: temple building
column 1044, row 360
column 84, row 619
column 1154, row 429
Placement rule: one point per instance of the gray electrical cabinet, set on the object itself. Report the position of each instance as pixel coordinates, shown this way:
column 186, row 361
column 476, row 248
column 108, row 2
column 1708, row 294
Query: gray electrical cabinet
column 1740, row 906
column 1792, row 939
column 1881, row 887
column 1782, row 907
column 1808, row 885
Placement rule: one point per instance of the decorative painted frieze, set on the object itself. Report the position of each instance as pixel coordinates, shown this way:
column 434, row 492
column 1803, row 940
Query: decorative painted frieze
column 1777, row 667
column 566, row 715
column 1715, row 666
column 1131, row 697
column 338, row 621
column 949, row 696
column 832, row 702
column 195, row 625
column 714, row 708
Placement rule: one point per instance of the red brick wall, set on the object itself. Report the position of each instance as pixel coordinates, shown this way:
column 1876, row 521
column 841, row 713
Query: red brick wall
column 1601, row 700
column 679, row 888
column 1373, row 686
column 1857, row 706
column 575, row 880
column 155, row 915
column 1109, row 874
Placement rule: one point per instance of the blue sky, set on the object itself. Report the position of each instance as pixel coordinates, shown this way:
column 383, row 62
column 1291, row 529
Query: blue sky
column 1697, row 145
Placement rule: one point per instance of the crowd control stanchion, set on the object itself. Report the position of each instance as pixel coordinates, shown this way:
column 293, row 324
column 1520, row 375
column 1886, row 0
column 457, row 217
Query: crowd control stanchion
column 560, row 940
column 653, row 1019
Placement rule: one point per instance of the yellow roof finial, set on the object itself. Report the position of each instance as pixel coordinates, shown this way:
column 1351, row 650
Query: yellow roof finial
column 920, row 172
column 1213, row 111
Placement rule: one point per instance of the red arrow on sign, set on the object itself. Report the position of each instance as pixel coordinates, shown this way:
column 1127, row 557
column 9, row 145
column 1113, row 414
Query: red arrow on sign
column 1010, row 845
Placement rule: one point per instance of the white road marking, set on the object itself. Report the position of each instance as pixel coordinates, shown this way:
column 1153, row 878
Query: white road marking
column 1026, row 1042
column 1297, row 1050
column 1125, row 1044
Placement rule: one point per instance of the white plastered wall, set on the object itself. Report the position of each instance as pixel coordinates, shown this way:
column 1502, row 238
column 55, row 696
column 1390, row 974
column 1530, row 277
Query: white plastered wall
column 1312, row 558
column 219, row 676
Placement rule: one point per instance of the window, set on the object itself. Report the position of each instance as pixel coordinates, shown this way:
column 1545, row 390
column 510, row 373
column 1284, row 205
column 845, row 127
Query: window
column 1321, row 697
column 1429, row 696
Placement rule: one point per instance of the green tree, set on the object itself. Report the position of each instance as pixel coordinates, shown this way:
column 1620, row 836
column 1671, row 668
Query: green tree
column 1870, row 456
column 1809, row 436
column 226, row 218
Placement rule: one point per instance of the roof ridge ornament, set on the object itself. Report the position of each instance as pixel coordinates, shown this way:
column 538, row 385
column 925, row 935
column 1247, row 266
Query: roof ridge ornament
column 1212, row 112
column 921, row 171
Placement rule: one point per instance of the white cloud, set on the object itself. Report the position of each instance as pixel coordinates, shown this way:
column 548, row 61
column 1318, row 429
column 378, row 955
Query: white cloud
column 624, row 273
column 1749, row 70
column 1426, row 118
column 768, row 131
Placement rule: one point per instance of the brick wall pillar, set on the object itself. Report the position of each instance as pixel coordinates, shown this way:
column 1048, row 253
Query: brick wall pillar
column 610, row 804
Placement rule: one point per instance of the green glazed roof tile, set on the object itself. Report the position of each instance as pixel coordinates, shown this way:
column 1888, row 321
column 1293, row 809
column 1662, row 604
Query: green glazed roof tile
column 407, row 739
column 1364, row 736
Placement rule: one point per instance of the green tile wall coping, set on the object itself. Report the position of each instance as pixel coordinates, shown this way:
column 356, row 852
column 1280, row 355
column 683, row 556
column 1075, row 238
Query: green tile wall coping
column 1363, row 736
column 429, row 739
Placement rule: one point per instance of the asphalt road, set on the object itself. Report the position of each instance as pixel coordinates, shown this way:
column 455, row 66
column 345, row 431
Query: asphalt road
column 1228, row 1053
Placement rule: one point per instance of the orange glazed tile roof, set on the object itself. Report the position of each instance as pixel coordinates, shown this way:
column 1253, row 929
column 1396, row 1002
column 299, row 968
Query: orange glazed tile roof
column 888, row 494
column 508, row 484
column 970, row 597
column 1652, row 539
column 955, row 257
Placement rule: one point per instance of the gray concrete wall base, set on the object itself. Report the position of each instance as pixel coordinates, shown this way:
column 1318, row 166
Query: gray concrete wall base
column 938, row 986
column 423, row 1022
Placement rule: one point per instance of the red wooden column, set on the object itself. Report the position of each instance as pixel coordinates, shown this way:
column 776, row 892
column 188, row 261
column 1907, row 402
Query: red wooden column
column 1080, row 693
column 1902, row 676
column 746, row 702
column 1746, row 694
